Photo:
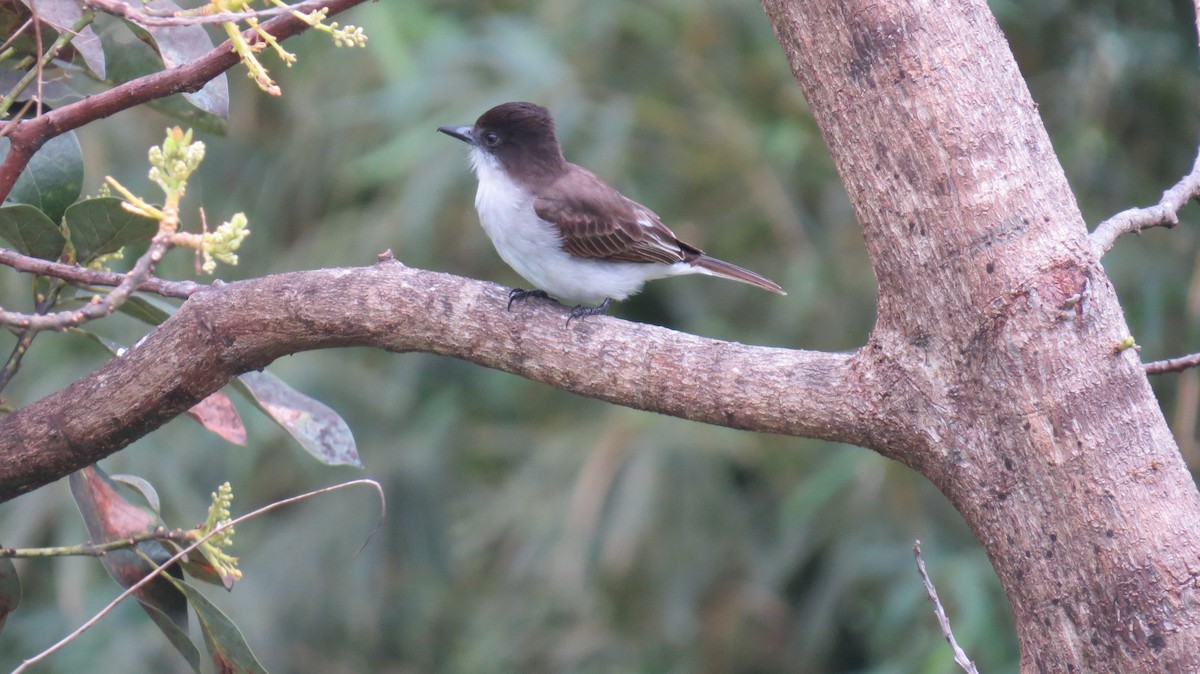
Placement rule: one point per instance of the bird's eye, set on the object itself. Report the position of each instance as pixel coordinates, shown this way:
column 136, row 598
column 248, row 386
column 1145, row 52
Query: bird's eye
column 491, row 139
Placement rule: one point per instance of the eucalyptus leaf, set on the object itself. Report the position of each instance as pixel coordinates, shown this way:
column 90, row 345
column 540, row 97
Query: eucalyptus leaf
column 319, row 430
column 178, row 637
column 226, row 645
column 109, row 515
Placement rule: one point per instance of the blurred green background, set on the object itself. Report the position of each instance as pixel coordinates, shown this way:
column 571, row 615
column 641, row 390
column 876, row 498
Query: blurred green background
column 529, row 530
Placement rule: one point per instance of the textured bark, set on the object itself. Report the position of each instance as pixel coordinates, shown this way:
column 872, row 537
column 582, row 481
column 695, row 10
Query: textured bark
column 985, row 371
column 225, row 330
column 1048, row 441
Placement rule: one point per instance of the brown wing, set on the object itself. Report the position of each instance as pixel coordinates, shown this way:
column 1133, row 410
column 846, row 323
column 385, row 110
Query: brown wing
column 598, row 222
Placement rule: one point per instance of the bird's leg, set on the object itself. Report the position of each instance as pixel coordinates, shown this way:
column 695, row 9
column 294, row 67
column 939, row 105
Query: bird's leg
column 582, row 310
column 522, row 294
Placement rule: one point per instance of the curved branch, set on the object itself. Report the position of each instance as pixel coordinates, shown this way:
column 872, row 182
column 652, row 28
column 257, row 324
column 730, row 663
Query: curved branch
column 222, row 331
column 1163, row 214
column 27, row 136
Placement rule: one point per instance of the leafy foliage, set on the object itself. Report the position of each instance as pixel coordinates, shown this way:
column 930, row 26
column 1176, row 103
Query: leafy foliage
column 30, row 232
column 54, row 177
column 101, row 227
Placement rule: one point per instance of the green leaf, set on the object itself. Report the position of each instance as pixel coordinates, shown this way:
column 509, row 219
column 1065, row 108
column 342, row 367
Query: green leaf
column 143, row 487
column 226, row 645
column 109, row 516
column 177, row 45
column 129, row 55
column 109, row 345
column 28, row 230
column 10, row 589
column 61, row 15
column 318, row 429
column 178, row 637
column 100, row 226
column 147, row 309
column 55, row 93
column 54, row 177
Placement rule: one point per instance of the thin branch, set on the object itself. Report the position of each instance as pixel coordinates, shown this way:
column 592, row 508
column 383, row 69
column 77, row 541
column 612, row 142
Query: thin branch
column 64, row 37
column 178, row 536
column 16, row 33
column 43, row 56
column 960, row 658
column 145, row 18
column 102, row 306
column 29, row 135
column 26, row 337
column 94, row 277
column 225, row 330
column 1163, row 214
column 154, row 573
column 1172, row 364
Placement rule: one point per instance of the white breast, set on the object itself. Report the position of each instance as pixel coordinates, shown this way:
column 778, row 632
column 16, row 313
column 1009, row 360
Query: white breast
column 532, row 247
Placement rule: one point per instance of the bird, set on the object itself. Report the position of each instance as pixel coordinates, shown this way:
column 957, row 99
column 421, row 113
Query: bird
column 564, row 230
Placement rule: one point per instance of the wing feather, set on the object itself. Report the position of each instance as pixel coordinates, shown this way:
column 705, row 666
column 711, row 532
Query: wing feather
column 597, row 222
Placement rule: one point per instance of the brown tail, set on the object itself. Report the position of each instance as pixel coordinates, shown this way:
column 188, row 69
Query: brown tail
column 715, row 267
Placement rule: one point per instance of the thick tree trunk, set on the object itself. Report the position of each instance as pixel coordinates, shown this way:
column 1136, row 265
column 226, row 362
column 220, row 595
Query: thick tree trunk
column 1013, row 399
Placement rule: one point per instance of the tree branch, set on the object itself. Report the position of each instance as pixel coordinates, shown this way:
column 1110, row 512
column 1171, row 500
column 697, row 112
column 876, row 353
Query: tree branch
column 145, row 18
column 1172, row 364
column 960, row 657
column 100, row 306
column 94, row 277
column 29, row 135
column 1163, row 214
column 222, row 331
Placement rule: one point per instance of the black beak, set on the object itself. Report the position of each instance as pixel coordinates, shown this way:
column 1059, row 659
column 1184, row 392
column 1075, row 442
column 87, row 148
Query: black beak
column 462, row 133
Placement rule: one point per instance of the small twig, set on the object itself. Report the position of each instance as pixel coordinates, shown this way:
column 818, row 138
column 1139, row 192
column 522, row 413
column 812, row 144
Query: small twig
column 36, row 73
column 30, row 134
column 1172, row 364
column 102, row 306
column 94, row 277
column 960, row 658
column 178, row 536
column 144, row 18
column 183, row 553
column 16, row 33
column 25, row 338
column 37, row 41
column 1163, row 214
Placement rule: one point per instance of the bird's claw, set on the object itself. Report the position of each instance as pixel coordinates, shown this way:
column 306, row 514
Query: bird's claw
column 581, row 310
column 522, row 294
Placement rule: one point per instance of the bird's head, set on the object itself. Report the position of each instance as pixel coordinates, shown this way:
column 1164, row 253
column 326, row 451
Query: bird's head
column 519, row 136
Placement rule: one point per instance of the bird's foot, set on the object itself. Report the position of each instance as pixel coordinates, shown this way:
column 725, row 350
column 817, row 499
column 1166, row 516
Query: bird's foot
column 582, row 310
column 522, row 294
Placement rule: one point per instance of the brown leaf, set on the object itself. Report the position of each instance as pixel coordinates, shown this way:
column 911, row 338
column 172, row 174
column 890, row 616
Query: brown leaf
column 217, row 414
